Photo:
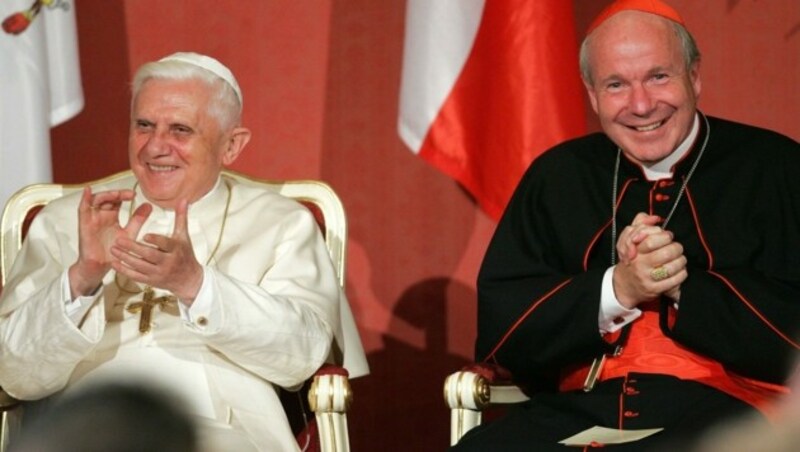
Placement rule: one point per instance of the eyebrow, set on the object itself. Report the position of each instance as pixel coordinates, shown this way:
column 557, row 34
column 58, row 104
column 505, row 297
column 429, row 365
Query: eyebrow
column 655, row 70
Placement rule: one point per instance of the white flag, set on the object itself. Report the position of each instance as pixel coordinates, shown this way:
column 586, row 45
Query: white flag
column 40, row 86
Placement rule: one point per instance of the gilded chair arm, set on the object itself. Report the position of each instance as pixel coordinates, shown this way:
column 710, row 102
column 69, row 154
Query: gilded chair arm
column 471, row 390
column 330, row 397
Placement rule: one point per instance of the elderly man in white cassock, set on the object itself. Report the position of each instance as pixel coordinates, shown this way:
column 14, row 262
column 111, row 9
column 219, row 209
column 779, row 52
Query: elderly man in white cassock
column 249, row 295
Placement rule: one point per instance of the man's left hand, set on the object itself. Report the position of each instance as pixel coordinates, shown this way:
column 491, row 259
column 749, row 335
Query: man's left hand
column 164, row 262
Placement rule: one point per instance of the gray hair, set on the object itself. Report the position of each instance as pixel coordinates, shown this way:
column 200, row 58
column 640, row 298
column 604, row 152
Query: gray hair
column 224, row 106
column 691, row 54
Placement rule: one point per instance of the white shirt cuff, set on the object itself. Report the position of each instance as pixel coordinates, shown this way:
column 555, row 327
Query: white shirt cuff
column 75, row 309
column 203, row 314
column 613, row 315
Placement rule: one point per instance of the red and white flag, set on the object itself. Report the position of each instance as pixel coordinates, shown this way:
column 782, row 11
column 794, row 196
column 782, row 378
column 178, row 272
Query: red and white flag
column 40, row 86
column 487, row 86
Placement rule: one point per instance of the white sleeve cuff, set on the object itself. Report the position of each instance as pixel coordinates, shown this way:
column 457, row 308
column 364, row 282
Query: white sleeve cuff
column 75, row 309
column 612, row 315
column 203, row 314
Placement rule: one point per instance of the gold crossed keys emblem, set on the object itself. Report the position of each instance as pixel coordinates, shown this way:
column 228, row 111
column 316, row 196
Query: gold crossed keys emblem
column 145, row 307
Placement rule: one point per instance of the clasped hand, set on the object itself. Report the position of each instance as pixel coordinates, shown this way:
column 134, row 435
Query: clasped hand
column 642, row 247
column 159, row 261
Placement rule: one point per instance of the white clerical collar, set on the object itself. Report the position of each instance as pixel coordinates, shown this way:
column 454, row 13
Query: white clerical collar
column 210, row 197
column 207, row 198
column 663, row 168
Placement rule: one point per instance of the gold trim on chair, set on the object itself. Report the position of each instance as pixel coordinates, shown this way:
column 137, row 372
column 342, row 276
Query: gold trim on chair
column 468, row 393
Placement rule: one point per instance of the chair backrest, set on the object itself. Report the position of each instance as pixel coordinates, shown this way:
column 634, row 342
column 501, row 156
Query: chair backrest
column 318, row 196
column 323, row 202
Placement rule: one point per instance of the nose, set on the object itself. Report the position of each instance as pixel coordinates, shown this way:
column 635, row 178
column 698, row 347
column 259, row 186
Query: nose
column 641, row 102
column 156, row 143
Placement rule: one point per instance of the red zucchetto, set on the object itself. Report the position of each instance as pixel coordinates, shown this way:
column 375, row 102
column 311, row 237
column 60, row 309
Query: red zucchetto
column 648, row 6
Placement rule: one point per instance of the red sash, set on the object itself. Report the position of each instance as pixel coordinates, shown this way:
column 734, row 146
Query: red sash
column 647, row 350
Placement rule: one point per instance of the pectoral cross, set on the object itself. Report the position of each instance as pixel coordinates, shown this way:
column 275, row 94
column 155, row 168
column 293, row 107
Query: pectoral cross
column 145, row 307
column 597, row 368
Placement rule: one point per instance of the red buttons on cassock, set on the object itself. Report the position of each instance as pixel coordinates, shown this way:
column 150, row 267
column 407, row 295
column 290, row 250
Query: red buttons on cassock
column 630, row 414
column 629, row 390
column 660, row 197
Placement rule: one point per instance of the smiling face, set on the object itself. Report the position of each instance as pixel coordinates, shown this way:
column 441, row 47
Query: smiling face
column 641, row 90
column 176, row 148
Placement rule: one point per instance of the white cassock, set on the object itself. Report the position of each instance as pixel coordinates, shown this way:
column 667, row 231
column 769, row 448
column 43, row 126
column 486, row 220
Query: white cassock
column 266, row 314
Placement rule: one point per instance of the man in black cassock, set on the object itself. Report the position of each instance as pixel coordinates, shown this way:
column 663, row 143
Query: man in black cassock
column 647, row 277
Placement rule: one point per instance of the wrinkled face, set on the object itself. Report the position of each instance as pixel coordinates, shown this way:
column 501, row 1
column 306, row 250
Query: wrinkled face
column 642, row 92
column 176, row 149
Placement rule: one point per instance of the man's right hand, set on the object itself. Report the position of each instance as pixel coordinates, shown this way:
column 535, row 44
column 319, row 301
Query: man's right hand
column 98, row 227
column 643, row 246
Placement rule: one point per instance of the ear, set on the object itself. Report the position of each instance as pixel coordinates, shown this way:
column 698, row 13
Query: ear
column 239, row 138
column 694, row 76
column 592, row 95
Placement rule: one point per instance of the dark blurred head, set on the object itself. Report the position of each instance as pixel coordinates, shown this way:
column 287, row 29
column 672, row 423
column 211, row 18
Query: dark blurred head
column 111, row 417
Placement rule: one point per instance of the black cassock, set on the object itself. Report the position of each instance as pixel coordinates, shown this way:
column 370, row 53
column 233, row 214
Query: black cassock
column 739, row 222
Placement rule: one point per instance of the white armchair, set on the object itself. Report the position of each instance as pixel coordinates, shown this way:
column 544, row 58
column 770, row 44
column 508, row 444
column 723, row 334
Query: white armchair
column 473, row 389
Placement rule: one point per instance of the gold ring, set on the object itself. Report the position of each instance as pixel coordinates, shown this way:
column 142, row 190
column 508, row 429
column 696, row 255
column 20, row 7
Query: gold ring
column 659, row 273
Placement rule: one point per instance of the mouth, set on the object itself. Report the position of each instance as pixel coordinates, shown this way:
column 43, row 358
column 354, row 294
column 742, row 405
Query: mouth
column 648, row 127
column 161, row 168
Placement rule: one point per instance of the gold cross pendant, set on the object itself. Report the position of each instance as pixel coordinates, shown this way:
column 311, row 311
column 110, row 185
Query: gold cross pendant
column 145, row 307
